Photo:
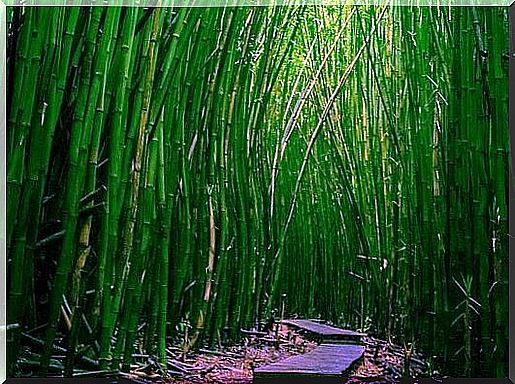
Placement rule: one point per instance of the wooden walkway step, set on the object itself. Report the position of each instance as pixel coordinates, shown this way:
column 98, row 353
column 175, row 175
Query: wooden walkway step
column 324, row 332
column 327, row 363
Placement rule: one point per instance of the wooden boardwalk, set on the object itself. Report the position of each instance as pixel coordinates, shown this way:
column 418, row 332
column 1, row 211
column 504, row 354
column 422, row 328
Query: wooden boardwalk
column 328, row 363
column 324, row 332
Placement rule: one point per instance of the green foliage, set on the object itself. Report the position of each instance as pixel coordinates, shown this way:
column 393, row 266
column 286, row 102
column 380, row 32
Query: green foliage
column 173, row 171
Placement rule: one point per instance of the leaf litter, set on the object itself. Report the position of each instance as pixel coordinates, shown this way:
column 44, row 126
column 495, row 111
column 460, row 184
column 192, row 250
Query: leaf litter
column 382, row 363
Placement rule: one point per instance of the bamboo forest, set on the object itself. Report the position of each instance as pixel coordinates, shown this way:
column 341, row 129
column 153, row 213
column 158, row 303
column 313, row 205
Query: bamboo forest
column 183, row 180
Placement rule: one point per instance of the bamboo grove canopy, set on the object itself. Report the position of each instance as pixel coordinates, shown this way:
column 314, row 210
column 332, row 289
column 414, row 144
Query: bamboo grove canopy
column 172, row 172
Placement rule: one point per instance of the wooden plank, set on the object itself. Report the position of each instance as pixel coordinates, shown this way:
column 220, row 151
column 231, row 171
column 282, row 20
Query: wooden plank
column 299, row 380
column 329, row 361
column 323, row 331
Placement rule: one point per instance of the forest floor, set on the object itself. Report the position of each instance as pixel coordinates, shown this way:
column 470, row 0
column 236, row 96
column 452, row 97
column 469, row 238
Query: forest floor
column 383, row 362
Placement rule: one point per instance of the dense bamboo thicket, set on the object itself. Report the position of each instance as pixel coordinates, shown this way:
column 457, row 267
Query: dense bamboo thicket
column 175, row 174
